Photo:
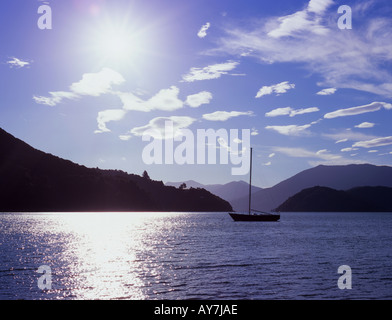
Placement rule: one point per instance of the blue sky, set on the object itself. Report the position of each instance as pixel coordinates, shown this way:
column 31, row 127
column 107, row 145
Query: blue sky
column 310, row 92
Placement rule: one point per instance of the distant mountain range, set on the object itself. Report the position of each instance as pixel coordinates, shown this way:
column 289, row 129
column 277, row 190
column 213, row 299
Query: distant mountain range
column 335, row 177
column 31, row 180
column 323, row 199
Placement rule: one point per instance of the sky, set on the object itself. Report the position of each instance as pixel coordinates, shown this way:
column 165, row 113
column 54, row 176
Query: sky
column 310, row 80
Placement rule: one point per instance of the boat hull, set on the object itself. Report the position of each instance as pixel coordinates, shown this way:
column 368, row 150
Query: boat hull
column 254, row 217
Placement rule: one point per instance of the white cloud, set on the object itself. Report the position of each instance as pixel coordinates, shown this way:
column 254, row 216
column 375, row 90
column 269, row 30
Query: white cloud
column 196, row 100
column 254, row 132
column 290, row 112
column 354, row 59
column 327, row 92
column 17, row 63
column 107, row 116
column 375, row 106
column 203, row 31
column 210, row 72
column 224, row 115
column 125, row 137
column 349, row 149
column 365, row 125
column 341, row 141
column 165, row 99
column 319, row 6
column 308, row 20
column 279, row 88
column 291, row 130
column 95, row 84
column 379, row 142
column 164, row 127
column 272, row 155
column 92, row 84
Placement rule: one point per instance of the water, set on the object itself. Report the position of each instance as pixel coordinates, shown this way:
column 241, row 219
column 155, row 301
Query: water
column 145, row 256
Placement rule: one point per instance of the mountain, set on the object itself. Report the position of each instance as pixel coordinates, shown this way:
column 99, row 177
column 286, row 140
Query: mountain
column 230, row 191
column 335, row 177
column 31, row 180
column 323, row 199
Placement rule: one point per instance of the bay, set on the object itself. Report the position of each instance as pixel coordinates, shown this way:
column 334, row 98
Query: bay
column 177, row 256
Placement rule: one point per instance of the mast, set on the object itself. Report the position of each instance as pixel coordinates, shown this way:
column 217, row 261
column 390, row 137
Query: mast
column 250, row 180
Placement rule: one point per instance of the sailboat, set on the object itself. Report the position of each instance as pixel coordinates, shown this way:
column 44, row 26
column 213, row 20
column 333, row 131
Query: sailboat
column 253, row 215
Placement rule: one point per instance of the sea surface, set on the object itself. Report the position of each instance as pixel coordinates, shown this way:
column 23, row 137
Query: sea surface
column 177, row 256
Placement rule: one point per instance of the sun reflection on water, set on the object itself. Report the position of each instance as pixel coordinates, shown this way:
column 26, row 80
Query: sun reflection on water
column 104, row 249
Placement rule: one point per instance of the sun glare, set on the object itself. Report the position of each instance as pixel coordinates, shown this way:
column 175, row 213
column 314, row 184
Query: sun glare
column 117, row 43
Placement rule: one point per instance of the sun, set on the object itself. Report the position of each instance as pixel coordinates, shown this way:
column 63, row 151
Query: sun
column 119, row 43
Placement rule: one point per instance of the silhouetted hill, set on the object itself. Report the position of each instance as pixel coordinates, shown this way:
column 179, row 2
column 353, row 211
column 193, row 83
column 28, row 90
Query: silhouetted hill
column 31, row 180
column 229, row 191
column 335, row 177
column 323, row 199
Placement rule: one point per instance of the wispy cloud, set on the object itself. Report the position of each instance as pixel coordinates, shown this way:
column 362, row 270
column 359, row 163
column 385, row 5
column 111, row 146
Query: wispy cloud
column 210, row 72
column 304, row 153
column 290, row 112
column 279, row 88
column 203, row 31
column 308, row 20
column 291, row 130
column 225, row 115
column 17, row 63
column 378, row 142
column 354, row 59
column 348, row 135
column 375, row 106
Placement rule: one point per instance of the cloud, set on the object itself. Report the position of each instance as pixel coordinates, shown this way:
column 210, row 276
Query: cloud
column 348, row 135
column 254, row 132
column 304, row 153
column 354, row 59
column 95, row 84
column 203, row 31
column 375, row 106
column 290, row 112
column 321, row 157
column 341, row 141
column 210, row 72
column 378, row 142
column 198, row 99
column 164, row 127
column 365, row 125
column 308, row 20
column 291, row 130
column 55, row 98
column 91, row 84
column 279, row 88
column 107, row 116
column 125, row 137
column 165, row 100
column 17, row 63
column 224, row 115
column 327, row 92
